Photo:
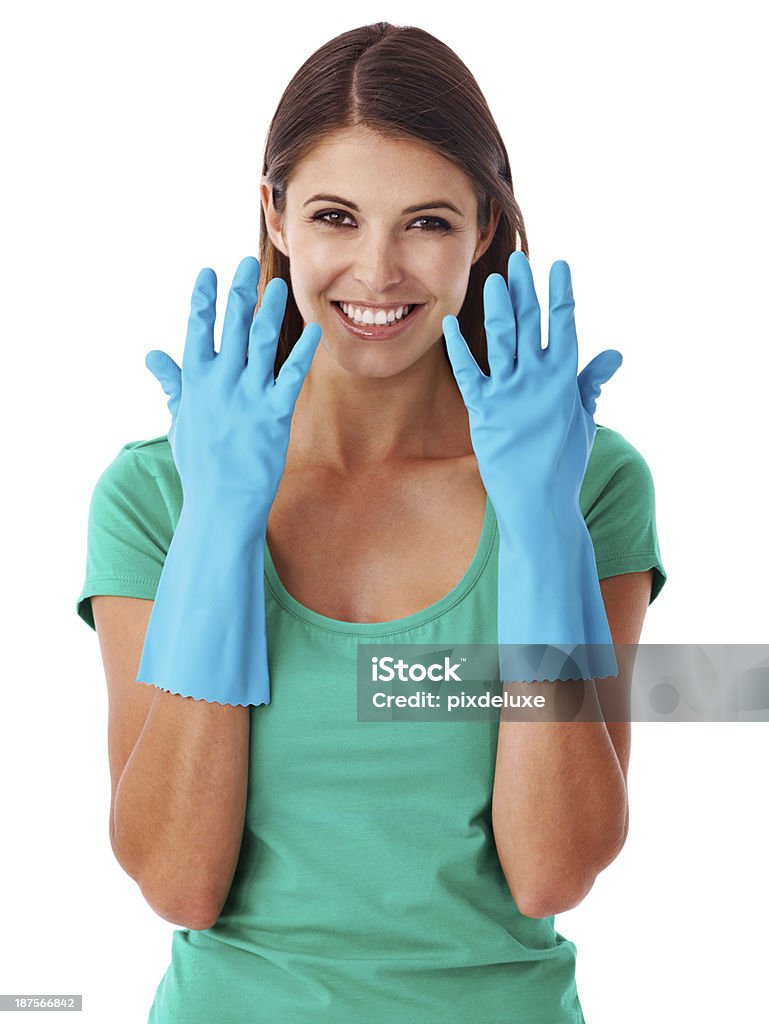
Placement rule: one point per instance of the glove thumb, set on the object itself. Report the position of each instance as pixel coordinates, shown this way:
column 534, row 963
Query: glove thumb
column 168, row 373
column 596, row 373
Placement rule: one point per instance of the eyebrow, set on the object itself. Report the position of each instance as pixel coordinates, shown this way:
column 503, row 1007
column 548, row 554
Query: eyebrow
column 433, row 204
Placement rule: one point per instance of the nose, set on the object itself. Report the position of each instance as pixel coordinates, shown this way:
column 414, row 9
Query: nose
column 377, row 265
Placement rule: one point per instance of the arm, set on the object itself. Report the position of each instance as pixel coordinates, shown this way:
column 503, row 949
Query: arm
column 179, row 771
column 179, row 741
column 559, row 808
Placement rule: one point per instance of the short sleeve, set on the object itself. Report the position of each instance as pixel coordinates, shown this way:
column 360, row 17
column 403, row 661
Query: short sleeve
column 132, row 516
column 618, row 504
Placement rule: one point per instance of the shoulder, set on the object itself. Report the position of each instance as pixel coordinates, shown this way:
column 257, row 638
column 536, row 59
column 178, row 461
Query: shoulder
column 140, row 466
column 612, row 451
column 619, row 505
column 614, row 463
column 151, row 456
column 132, row 515
column 140, row 481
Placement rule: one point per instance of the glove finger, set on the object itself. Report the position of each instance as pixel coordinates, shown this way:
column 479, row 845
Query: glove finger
column 296, row 366
column 596, row 373
column 501, row 328
column 199, row 346
column 528, row 316
column 165, row 370
column 562, row 330
column 239, row 315
column 466, row 370
column 264, row 334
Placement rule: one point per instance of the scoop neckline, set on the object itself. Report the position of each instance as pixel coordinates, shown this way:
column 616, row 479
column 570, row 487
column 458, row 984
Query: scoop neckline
column 402, row 625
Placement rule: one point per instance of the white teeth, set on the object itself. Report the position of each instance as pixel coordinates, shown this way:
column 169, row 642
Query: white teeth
column 366, row 315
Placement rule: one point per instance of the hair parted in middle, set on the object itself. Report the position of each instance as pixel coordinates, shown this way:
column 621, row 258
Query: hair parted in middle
column 404, row 83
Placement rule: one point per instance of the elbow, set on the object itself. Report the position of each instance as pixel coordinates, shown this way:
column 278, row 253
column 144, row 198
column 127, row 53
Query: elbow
column 541, row 897
column 180, row 909
column 183, row 902
column 540, row 901
column 176, row 907
column 191, row 918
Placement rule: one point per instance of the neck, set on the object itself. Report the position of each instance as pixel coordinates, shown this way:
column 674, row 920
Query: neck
column 351, row 424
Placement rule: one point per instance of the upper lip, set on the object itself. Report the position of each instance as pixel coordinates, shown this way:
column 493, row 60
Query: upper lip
column 377, row 305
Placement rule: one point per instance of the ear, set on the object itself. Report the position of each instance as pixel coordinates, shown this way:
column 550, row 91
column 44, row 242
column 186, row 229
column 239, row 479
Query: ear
column 486, row 237
column 272, row 218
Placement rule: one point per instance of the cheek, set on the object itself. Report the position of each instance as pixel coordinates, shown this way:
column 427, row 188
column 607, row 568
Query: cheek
column 453, row 287
column 447, row 272
column 311, row 269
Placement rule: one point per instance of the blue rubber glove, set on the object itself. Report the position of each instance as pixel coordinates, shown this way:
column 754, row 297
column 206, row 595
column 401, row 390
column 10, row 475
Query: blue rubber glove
column 532, row 429
column 206, row 637
column 169, row 373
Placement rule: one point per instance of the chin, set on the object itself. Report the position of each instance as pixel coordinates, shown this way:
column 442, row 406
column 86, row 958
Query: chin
column 374, row 365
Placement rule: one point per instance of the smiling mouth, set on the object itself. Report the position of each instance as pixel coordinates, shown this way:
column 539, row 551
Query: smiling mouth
column 377, row 321
column 377, row 316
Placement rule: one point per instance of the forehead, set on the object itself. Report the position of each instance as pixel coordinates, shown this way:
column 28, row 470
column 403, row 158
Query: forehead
column 360, row 164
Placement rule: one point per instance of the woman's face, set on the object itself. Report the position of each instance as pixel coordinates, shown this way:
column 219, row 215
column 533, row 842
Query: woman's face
column 381, row 234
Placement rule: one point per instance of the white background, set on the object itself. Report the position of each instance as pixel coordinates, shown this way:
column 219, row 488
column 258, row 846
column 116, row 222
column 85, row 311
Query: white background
column 133, row 138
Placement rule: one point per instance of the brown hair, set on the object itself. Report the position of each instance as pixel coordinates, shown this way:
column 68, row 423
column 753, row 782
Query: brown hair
column 402, row 82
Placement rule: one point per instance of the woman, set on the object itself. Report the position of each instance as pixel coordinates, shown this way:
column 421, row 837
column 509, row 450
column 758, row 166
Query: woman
column 321, row 867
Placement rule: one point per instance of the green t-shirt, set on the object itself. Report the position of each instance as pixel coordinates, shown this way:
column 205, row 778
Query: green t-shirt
column 368, row 886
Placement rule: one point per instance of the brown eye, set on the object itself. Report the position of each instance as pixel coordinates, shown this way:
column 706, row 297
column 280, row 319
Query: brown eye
column 333, row 218
column 433, row 224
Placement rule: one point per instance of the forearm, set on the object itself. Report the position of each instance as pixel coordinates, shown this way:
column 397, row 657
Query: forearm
column 560, row 802
column 559, row 808
column 180, row 805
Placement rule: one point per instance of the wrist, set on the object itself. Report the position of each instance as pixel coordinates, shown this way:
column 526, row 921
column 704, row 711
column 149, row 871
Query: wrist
column 545, row 563
column 541, row 523
column 206, row 637
column 233, row 521
column 549, row 590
